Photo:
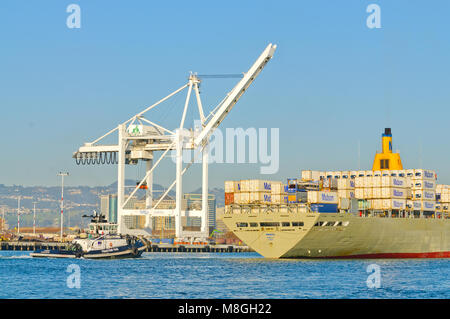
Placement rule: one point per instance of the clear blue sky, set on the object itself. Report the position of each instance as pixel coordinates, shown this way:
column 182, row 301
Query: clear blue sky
column 332, row 83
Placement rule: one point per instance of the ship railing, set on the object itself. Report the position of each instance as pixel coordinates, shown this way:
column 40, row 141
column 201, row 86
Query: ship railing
column 402, row 213
column 252, row 208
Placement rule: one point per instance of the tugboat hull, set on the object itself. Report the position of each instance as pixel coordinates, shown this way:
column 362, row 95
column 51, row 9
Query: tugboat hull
column 54, row 253
column 115, row 253
column 126, row 251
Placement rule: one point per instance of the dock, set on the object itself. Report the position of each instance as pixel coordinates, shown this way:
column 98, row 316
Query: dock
column 165, row 248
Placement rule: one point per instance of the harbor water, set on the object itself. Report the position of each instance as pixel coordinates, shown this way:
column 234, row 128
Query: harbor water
column 220, row 275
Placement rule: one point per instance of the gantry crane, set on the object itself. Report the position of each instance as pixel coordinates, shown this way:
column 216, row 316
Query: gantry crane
column 139, row 138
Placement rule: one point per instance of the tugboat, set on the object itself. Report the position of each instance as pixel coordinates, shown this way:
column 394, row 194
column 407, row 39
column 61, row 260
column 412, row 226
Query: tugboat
column 102, row 242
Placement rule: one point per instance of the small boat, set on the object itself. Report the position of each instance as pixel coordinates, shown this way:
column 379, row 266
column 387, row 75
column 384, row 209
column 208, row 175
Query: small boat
column 102, row 243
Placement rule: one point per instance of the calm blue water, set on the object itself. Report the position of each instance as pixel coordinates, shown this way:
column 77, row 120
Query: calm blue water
column 227, row 275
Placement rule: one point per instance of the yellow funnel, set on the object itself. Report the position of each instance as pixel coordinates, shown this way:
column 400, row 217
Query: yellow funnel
column 386, row 160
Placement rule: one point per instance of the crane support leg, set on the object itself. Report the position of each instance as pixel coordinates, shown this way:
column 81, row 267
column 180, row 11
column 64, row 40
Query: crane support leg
column 149, row 181
column 205, row 220
column 121, row 177
column 179, row 184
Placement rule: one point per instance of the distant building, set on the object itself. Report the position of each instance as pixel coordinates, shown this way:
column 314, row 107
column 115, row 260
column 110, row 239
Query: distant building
column 134, row 222
column 108, row 207
column 194, row 202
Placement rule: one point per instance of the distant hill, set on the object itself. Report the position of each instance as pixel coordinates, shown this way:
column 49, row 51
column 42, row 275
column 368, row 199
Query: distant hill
column 78, row 200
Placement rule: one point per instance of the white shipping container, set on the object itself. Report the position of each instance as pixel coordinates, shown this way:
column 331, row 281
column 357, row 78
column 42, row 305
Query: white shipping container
column 376, row 192
column 368, row 173
column 368, row 192
column 419, row 184
column 316, row 197
column 359, row 193
column 392, row 192
column 376, row 173
column 257, row 185
column 385, row 173
column 279, row 199
column 377, row 204
column 260, row 197
column 409, row 182
column 428, row 205
column 242, row 198
column 376, row 181
column 344, row 203
column 307, row 175
column 424, row 195
column 394, row 204
column 393, row 173
column 279, row 188
column 346, row 193
column 359, row 181
column 424, row 174
column 409, row 173
column 421, row 205
column 245, row 185
column 315, row 175
column 368, row 181
column 229, row 186
column 345, row 174
column 237, row 198
column 346, row 184
column 392, row 181
column 417, row 205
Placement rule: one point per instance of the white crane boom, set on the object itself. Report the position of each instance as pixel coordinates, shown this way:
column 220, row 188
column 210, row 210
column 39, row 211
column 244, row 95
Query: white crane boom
column 235, row 94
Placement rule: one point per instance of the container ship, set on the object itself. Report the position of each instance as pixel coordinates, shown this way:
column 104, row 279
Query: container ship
column 386, row 212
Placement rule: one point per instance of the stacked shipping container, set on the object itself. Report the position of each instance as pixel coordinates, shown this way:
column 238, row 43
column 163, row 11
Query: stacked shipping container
column 248, row 191
column 443, row 196
column 279, row 193
column 384, row 190
column 415, row 189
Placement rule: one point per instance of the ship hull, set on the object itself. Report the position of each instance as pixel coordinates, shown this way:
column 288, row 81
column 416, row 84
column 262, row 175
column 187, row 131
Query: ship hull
column 342, row 235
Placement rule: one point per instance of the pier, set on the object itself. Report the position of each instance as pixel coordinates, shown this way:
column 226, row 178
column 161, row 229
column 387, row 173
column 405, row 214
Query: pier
column 164, row 248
